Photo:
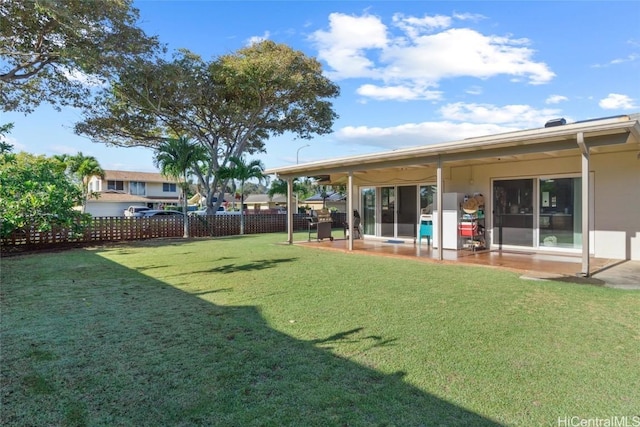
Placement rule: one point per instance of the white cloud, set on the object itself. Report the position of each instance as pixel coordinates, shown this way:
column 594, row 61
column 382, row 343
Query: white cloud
column 616, row 101
column 398, row 93
column 512, row 116
column 63, row 149
column 413, row 26
column 629, row 58
column 468, row 16
column 463, row 53
column 75, row 75
column 257, row 39
column 555, row 99
column 475, row 90
column 460, row 121
column 420, row 52
column 17, row 147
column 412, row 134
column 343, row 46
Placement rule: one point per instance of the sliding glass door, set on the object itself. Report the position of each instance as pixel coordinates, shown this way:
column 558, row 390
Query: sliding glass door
column 513, row 212
column 407, row 211
column 387, row 211
column 543, row 212
column 561, row 213
column 394, row 211
column 368, row 214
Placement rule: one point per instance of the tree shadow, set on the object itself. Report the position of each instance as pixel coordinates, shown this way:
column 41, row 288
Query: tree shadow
column 340, row 336
column 141, row 352
column 255, row 265
column 350, row 336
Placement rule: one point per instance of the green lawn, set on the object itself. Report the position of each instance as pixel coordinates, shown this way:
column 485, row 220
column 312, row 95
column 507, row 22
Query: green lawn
column 247, row 331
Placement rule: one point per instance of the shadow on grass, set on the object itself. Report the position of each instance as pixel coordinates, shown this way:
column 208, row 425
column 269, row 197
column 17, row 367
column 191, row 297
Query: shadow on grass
column 140, row 352
column 347, row 337
column 256, row 265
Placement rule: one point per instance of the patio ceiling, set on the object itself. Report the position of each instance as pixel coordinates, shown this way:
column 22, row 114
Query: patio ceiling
column 601, row 135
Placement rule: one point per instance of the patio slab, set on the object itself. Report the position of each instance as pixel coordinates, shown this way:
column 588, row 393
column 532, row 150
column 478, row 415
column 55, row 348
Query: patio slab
column 532, row 265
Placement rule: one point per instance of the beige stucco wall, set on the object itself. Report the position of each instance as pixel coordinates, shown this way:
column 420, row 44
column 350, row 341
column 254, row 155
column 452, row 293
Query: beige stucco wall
column 616, row 191
column 617, row 205
column 154, row 189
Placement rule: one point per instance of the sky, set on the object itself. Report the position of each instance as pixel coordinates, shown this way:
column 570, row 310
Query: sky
column 410, row 72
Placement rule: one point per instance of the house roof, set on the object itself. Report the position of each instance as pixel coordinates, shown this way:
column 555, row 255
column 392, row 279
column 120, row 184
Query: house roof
column 264, row 198
column 599, row 134
column 136, row 176
column 333, row 197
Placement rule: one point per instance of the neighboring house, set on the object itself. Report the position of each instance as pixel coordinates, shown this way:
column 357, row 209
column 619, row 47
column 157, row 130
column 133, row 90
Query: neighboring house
column 333, row 201
column 262, row 202
column 121, row 189
column 563, row 188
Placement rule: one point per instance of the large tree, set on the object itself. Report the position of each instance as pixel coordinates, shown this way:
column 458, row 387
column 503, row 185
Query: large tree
column 176, row 158
column 242, row 171
column 55, row 50
column 230, row 105
column 35, row 191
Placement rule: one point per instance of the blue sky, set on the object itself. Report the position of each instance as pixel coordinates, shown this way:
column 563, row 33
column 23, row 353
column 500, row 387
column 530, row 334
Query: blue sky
column 410, row 72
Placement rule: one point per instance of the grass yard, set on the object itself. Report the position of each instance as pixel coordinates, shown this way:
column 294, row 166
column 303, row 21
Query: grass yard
column 247, row 331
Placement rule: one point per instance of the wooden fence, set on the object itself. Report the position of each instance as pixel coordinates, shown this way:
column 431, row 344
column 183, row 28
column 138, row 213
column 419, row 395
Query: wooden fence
column 113, row 229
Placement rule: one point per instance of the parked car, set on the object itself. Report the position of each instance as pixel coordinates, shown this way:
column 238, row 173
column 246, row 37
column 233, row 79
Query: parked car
column 135, row 210
column 221, row 211
column 156, row 212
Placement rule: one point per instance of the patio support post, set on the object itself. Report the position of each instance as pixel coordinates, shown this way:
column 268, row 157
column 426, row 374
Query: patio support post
column 585, row 204
column 439, row 204
column 290, row 210
column 350, row 209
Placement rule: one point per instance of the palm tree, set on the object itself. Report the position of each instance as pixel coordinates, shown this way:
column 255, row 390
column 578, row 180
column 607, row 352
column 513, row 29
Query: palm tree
column 175, row 157
column 82, row 168
column 280, row 186
column 242, row 171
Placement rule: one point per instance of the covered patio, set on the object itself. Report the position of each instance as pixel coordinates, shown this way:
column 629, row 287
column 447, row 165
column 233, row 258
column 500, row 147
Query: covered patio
column 559, row 199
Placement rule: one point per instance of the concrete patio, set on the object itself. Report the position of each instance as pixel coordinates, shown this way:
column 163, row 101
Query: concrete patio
column 531, row 265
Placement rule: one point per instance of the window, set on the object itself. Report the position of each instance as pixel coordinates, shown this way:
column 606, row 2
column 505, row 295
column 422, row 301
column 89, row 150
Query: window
column 169, row 187
column 427, row 196
column 115, row 185
column 137, row 188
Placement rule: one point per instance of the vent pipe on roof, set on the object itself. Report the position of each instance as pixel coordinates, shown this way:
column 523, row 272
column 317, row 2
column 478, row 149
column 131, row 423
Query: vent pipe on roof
column 555, row 122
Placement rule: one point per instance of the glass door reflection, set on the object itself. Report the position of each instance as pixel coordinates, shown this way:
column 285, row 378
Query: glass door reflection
column 560, row 213
column 513, row 212
column 368, row 214
column 387, row 212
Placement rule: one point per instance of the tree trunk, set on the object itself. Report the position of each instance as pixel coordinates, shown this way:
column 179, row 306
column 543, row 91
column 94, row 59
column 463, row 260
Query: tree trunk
column 241, row 207
column 185, row 234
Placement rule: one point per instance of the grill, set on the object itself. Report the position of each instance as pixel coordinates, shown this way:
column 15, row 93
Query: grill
column 321, row 225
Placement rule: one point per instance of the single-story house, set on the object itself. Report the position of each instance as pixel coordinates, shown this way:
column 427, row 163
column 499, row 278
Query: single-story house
column 333, row 201
column 121, row 189
column 262, row 202
column 561, row 188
